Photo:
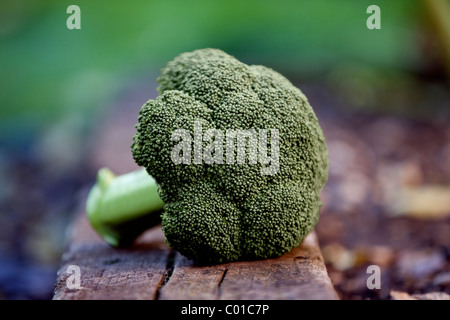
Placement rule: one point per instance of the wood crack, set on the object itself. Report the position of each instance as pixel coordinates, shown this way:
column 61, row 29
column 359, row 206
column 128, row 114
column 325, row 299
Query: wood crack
column 219, row 291
column 167, row 274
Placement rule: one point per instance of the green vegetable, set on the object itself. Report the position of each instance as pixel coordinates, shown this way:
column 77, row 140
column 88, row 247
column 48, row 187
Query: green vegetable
column 121, row 208
column 259, row 205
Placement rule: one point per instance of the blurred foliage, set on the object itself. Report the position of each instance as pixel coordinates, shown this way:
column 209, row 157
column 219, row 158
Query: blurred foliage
column 52, row 74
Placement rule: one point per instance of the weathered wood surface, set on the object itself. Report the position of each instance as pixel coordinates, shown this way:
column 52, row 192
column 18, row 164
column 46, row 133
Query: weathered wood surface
column 152, row 270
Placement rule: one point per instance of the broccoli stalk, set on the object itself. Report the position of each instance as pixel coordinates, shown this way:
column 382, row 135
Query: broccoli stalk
column 120, row 208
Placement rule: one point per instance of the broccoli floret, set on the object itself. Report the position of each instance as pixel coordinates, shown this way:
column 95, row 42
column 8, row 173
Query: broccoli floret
column 214, row 211
column 234, row 160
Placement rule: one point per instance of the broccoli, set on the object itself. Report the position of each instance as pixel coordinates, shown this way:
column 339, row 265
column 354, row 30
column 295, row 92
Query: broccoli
column 241, row 206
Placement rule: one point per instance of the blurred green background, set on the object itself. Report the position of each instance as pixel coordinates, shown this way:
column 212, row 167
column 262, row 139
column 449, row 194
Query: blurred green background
column 52, row 74
column 57, row 84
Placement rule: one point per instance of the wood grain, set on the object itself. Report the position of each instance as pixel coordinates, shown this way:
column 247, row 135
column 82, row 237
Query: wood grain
column 110, row 273
column 151, row 270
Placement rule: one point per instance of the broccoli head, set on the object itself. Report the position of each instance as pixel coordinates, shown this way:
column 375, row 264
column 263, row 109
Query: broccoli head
column 222, row 204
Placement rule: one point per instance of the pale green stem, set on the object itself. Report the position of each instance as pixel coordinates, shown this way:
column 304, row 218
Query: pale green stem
column 120, row 208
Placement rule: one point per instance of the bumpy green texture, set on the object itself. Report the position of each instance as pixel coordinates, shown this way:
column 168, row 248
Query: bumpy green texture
column 218, row 212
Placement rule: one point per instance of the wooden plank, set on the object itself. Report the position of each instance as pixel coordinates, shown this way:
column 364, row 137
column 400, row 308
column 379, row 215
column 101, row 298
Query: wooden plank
column 300, row 274
column 151, row 270
column 110, row 273
column 191, row 282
